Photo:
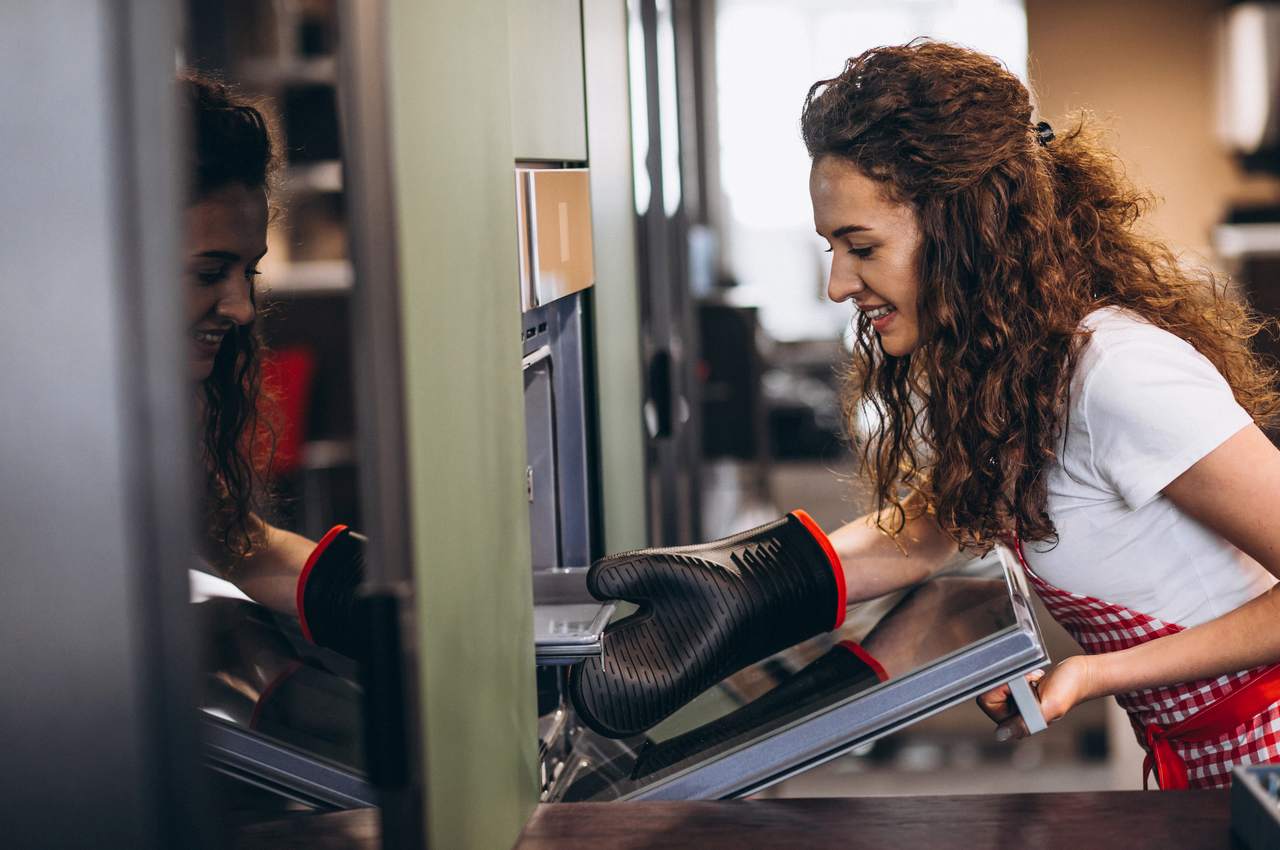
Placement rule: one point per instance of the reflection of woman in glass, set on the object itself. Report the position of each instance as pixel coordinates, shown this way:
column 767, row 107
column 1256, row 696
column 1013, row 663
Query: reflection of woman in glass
column 231, row 166
column 1032, row 372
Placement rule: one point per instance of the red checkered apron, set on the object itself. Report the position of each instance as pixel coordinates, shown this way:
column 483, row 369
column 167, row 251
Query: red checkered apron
column 1194, row 732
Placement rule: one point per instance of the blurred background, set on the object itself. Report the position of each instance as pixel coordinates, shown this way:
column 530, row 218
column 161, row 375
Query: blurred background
column 742, row 412
column 684, row 387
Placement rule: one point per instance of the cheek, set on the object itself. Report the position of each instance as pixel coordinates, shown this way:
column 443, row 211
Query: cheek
column 911, row 297
column 898, row 281
column 198, row 303
column 908, row 276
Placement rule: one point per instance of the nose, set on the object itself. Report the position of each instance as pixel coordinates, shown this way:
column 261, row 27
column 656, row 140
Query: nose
column 235, row 302
column 844, row 281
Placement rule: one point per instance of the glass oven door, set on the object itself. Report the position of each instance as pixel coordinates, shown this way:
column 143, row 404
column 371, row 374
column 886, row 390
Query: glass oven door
column 944, row 642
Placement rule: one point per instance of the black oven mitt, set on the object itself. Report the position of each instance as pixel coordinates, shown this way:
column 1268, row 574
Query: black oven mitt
column 706, row 611
column 846, row 669
column 326, row 594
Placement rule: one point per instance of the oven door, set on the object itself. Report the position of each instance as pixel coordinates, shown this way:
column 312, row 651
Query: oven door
column 946, row 641
column 279, row 713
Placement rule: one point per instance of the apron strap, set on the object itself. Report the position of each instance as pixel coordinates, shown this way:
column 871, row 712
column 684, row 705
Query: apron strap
column 1170, row 769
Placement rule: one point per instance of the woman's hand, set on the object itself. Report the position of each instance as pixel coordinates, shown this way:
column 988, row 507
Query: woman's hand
column 1060, row 690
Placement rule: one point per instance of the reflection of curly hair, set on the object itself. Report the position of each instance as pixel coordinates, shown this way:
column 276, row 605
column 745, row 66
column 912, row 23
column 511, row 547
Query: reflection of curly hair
column 231, row 142
column 237, row 442
column 1019, row 242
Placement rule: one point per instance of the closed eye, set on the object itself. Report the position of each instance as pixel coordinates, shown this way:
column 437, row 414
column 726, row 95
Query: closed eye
column 861, row 252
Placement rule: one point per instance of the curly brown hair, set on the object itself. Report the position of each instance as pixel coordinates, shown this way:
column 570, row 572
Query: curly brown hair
column 232, row 141
column 1020, row 241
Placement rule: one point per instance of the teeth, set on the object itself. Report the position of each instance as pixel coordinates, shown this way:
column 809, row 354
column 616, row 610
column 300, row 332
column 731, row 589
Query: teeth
column 201, row 336
column 880, row 312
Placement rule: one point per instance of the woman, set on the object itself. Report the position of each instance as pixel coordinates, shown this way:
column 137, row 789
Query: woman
column 231, row 167
column 1037, row 375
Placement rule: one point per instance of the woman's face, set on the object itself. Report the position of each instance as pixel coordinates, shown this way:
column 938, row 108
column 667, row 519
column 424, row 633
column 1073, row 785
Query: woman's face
column 226, row 236
column 875, row 246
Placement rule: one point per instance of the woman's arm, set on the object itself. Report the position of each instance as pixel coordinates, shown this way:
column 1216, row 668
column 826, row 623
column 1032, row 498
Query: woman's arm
column 1235, row 491
column 270, row 575
column 876, row 564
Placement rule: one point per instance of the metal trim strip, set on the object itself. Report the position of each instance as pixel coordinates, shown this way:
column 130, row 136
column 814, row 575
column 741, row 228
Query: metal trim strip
column 285, row 771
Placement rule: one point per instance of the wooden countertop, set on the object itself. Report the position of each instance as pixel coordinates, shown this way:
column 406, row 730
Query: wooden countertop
column 1114, row 820
column 1123, row 820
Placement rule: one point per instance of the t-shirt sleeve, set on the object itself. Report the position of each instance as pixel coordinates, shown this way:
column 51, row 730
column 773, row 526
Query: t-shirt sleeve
column 1153, row 408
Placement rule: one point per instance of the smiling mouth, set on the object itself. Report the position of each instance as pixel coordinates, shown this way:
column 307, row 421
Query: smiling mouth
column 879, row 312
column 209, row 337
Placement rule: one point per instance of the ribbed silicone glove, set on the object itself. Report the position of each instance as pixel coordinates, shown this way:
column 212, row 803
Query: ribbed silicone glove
column 706, row 611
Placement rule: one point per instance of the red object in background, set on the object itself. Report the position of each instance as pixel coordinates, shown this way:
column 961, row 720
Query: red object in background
column 287, row 380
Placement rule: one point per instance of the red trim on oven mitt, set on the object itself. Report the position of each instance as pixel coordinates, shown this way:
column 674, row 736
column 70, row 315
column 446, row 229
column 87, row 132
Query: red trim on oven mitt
column 326, row 592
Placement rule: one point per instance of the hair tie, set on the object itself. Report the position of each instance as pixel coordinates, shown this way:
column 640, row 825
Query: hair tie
column 1044, row 133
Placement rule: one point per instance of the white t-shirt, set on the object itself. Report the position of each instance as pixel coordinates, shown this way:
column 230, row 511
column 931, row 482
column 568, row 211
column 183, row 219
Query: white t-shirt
column 1144, row 407
column 205, row 585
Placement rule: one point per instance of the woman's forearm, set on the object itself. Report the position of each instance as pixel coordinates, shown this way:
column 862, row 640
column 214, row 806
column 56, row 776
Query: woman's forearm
column 1246, row 637
column 270, row 575
column 876, row 564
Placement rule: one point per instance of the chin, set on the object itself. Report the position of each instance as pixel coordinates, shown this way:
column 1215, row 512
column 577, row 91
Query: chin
column 893, row 350
column 897, row 347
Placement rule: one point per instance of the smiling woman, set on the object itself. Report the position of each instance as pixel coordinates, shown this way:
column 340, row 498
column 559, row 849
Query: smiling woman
column 225, row 226
column 1055, row 380
column 1018, row 236
column 231, row 167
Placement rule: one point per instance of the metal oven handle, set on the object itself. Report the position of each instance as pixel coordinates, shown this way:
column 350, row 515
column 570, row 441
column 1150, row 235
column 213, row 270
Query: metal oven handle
column 534, row 358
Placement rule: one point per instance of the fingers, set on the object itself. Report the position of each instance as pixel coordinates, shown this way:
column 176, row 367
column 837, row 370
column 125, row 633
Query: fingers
column 997, row 704
column 614, row 578
column 1000, row 707
column 595, row 577
column 1012, row 729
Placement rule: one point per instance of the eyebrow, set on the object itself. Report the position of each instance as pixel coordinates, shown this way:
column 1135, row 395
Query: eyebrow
column 220, row 255
column 847, row 229
column 229, row 256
